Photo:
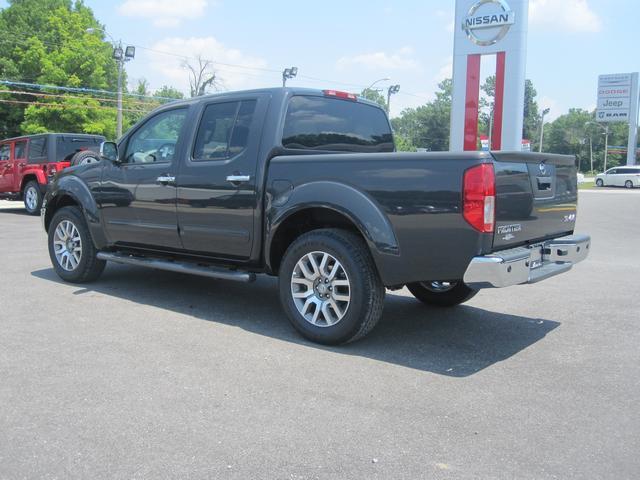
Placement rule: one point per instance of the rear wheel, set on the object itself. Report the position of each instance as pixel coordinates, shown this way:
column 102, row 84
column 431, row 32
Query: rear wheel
column 628, row 184
column 442, row 294
column 32, row 196
column 599, row 182
column 329, row 287
column 71, row 249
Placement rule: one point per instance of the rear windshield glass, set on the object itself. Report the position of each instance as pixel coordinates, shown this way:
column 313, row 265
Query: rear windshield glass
column 66, row 147
column 320, row 123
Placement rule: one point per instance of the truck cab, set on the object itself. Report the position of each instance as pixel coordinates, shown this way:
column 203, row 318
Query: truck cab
column 28, row 163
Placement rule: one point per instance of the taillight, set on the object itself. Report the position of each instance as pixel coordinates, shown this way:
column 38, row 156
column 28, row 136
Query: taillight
column 338, row 94
column 479, row 197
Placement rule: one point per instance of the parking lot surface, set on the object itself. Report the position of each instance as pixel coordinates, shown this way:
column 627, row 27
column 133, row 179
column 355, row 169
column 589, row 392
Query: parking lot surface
column 148, row 374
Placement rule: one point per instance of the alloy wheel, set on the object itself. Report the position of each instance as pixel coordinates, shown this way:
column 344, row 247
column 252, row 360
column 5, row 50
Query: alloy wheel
column 31, row 198
column 67, row 245
column 321, row 289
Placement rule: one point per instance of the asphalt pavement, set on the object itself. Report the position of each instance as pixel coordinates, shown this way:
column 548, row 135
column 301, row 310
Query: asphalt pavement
column 148, row 374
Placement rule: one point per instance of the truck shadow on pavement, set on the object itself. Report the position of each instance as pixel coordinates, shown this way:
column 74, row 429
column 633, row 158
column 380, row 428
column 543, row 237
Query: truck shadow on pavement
column 455, row 342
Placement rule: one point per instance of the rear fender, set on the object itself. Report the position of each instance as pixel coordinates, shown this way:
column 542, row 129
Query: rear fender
column 355, row 205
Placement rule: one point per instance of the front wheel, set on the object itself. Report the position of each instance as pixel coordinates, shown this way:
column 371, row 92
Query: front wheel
column 71, row 249
column 32, row 196
column 442, row 294
column 599, row 183
column 329, row 287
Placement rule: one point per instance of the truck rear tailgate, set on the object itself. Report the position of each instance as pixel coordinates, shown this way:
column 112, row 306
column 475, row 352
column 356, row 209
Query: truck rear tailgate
column 536, row 197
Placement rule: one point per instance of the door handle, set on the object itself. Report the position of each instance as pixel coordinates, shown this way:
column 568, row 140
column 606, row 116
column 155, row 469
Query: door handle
column 238, row 178
column 166, row 179
column 21, row 164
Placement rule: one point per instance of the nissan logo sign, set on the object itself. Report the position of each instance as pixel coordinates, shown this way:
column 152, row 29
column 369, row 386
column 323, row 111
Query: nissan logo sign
column 488, row 21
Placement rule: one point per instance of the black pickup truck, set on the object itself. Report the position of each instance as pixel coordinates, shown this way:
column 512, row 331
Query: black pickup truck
column 306, row 185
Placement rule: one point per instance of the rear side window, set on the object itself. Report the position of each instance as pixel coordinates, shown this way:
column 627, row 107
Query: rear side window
column 19, row 149
column 5, row 151
column 38, row 150
column 320, row 123
column 224, row 130
column 68, row 146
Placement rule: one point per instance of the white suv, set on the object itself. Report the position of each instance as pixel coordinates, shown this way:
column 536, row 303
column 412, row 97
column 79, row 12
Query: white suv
column 620, row 177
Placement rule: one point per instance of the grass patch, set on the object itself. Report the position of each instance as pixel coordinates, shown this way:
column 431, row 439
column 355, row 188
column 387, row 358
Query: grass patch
column 586, row 185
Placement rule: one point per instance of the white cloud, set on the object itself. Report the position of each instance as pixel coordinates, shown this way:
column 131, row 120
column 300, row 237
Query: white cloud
column 573, row 15
column 163, row 13
column 446, row 71
column 234, row 68
column 400, row 60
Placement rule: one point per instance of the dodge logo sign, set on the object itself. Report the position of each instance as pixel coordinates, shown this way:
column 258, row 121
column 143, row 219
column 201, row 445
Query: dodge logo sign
column 488, row 22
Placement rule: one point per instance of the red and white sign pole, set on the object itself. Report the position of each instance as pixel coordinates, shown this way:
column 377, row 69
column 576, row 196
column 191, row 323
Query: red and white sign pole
column 489, row 27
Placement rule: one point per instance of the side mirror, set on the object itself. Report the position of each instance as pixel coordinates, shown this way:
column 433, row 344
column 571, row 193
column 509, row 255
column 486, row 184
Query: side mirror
column 109, row 150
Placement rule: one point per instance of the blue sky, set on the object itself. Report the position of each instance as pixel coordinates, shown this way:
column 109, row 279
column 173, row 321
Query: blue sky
column 348, row 45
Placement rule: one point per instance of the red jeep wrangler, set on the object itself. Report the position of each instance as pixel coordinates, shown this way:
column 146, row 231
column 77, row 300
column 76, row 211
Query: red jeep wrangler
column 28, row 163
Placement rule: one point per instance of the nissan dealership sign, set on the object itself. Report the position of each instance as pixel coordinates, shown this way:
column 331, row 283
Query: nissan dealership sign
column 488, row 21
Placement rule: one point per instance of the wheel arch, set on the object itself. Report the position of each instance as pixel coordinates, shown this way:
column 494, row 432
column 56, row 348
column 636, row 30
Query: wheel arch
column 328, row 205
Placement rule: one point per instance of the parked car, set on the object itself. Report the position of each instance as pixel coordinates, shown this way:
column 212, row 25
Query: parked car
column 306, row 185
column 27, row 164
column 628, row 177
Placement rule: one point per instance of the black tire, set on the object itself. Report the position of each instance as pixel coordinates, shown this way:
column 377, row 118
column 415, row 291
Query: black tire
column 32, row 197
column 442, row 297
column 89, row 267
column 84, row 157
column 628, row 184
column 599, row 182
column 365, row 289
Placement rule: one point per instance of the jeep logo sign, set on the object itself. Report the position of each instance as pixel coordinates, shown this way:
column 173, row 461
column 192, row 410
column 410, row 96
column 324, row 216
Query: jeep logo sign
column 488, row 21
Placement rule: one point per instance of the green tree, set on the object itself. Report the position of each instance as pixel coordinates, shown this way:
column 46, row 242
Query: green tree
column 168, row 92
column 427, row 126
column 375, row 96
column 46, row 42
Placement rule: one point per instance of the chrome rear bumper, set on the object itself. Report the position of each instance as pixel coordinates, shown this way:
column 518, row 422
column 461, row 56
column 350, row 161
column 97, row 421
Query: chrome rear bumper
column 527, row 264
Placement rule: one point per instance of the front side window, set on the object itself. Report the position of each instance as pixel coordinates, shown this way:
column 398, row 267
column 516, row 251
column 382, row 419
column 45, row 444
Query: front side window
column 5, row 151
column 19, row 149
column 224, row 130
column 155, row 141
column 38, row 150
column 329, row 124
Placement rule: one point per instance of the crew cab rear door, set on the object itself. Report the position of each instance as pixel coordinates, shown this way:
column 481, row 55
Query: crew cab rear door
column 536, row 197
column 6, row 168
column 217, row 186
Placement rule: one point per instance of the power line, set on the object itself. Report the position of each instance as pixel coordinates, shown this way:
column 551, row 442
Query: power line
column 62, row 105
column 53, row 95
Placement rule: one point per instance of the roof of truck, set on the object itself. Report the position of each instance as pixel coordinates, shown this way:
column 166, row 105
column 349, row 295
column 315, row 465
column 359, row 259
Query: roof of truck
column 51, row 134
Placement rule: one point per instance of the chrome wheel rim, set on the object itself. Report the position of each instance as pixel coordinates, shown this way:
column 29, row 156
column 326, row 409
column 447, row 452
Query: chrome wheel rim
column 439, row 287
column 31, row 198
column 320, row 288
column 67, row 245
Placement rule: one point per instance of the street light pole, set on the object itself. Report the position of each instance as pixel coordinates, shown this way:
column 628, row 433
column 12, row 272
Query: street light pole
column 119, row 104
column 544, row 113
column 288, row 73
column 392, row 90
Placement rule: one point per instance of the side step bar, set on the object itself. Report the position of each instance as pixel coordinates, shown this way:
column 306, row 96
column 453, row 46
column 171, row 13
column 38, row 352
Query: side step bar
column 178, row 266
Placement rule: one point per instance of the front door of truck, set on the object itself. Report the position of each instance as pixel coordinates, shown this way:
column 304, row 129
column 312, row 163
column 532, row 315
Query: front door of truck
column 137, row 196
column 217, row 188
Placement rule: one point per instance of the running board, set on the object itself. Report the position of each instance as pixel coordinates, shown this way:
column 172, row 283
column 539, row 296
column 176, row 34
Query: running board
column 178, row 266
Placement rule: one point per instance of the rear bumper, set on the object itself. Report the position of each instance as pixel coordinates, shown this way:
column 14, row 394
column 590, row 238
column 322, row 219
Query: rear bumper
column 527, row 264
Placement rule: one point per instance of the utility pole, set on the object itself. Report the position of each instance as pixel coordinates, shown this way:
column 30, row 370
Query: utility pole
column 591, row 152
column 392, row 90
column 364, row 92
column 606, row 146
column 544, row 113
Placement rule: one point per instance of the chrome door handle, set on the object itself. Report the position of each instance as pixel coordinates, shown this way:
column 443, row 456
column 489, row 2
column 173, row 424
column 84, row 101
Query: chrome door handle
column 166, row 179
column 238, row 178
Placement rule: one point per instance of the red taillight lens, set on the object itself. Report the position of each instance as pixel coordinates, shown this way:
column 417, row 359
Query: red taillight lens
column 338, row 94
column 479, row 197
